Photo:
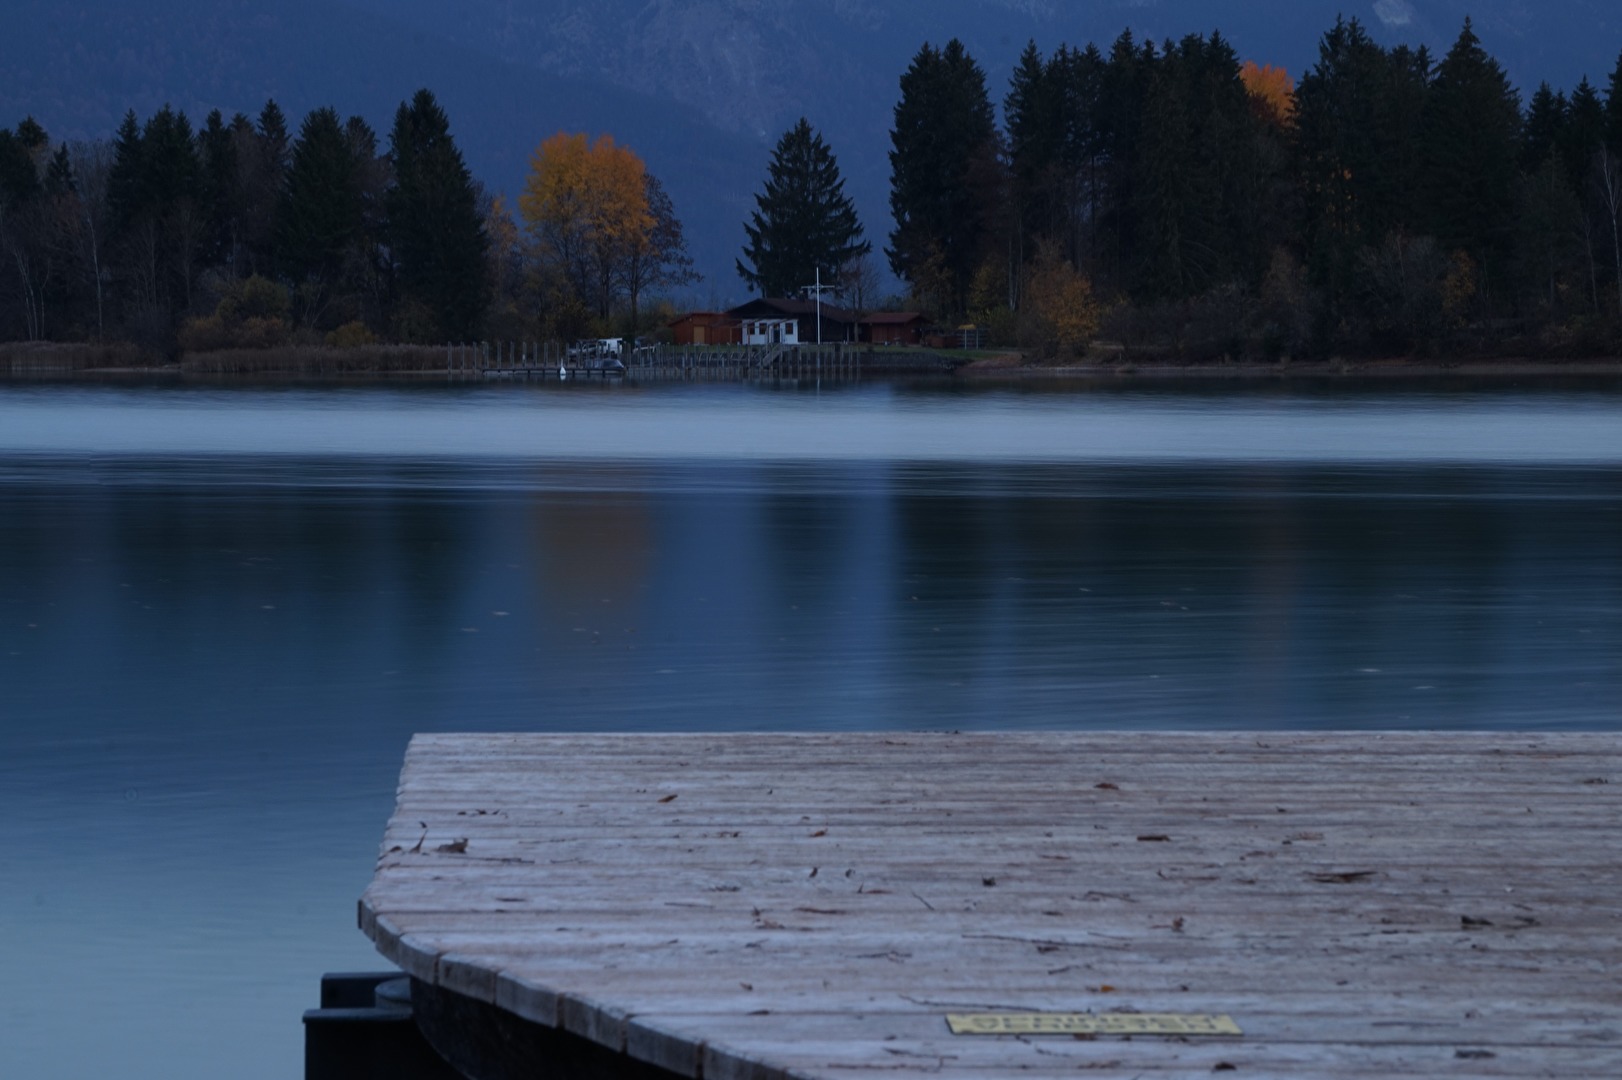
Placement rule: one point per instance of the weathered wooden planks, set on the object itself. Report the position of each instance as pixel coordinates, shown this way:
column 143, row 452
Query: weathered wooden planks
column 770, row 906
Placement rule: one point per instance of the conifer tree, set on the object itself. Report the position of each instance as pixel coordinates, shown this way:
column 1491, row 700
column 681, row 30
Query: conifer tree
column 368, row 271
column 155, row 199
column 59, row 178
column 1123, row 89
column 171, row 194
column 222, row 189
column 1034, row 113
column 1472, row 147
column 33, row 138
column 274, row 138
column 435, row 229
column 1358, row 112
column 171, row 170
column 944, row 174
column 1200, row 174
column 1583, row 135
column 1400, row 116
column 23, row 256
column 125, row 192
column 19, row 179
column 803, row 222
column 1164, row 183
column 1226, row 231
column 263, row 160
column 1545, row 127
column 1080, row 76
column 320, row 211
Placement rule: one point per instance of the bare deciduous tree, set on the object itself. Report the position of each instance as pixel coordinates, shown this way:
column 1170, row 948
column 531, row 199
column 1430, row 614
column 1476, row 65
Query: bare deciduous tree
column 860, row 282
column 1608, row 179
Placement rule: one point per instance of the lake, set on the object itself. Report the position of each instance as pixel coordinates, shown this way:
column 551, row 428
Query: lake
column 224, row 609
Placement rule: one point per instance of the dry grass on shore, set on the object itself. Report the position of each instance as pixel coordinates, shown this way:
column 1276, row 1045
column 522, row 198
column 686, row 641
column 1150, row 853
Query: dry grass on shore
column 317, row 360
column 27, row 357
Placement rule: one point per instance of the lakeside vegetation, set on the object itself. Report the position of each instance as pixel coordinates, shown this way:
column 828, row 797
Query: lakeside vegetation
column 1167, row 197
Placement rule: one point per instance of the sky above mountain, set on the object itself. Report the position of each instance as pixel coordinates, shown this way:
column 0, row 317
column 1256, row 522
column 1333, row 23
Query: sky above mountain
column 701, row 88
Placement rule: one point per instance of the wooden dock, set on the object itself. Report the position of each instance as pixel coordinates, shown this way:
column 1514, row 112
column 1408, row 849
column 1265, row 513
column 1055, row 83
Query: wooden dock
column 773, row 906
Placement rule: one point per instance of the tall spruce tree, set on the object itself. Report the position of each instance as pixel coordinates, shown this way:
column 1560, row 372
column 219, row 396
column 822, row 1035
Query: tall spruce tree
column 320, row 212
column 172, row 184
column 944, row 174
column 368, row 272
column 1123, row 90
column 435, row 229
column 1201, row 174
column 126, row 194
column 1583, row 135
column 276, row 142
column 1080, row 75
column 1359, row 140
column 23, row 256
column 803, row 222
column 59, row 178
column 1035, row 115
column 18, row 178
column 222, row 190
column 263, row 161
column 34, row 139
column 1472, row 150
column 1400, row 121
column 1165, row 182
column 1545, row 125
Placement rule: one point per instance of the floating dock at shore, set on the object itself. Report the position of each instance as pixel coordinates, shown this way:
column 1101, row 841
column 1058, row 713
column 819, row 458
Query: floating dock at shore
column 1102, row 905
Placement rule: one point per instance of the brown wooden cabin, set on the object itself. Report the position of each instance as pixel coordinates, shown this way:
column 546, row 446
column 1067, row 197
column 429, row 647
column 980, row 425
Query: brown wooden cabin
column 707, row 328
column 894, row 328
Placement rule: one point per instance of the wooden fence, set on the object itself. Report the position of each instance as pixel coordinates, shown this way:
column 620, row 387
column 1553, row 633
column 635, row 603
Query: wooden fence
column 544, row 358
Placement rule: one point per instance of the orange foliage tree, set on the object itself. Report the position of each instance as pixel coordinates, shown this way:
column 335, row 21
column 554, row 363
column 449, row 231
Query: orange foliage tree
column 1060, row 300
column 585, row 205
column 1271, row 90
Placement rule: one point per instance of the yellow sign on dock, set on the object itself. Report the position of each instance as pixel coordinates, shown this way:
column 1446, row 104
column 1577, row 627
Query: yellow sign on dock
column 1091, row 1024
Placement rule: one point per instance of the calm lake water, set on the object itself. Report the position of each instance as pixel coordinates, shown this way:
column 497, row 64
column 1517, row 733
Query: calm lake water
column 223, row 611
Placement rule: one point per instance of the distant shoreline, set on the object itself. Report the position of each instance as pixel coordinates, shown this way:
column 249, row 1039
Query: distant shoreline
column 1337, row 369
column 987, row 369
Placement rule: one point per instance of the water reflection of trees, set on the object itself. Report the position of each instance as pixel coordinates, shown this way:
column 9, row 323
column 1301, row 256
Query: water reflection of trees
column 1255, row 597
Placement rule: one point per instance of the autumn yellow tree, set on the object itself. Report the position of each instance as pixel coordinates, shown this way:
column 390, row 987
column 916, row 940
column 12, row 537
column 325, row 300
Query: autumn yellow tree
column 1271, row 90
column 585, row 205
column 1059, row 299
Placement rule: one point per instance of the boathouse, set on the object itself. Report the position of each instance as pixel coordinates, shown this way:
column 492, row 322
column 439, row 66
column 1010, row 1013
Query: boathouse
column 781, row 321
column 771, row 331
column 838, row 324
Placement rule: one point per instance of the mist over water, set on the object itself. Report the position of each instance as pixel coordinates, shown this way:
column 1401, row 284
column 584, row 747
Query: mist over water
column 223, row 611
column 884, row 422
